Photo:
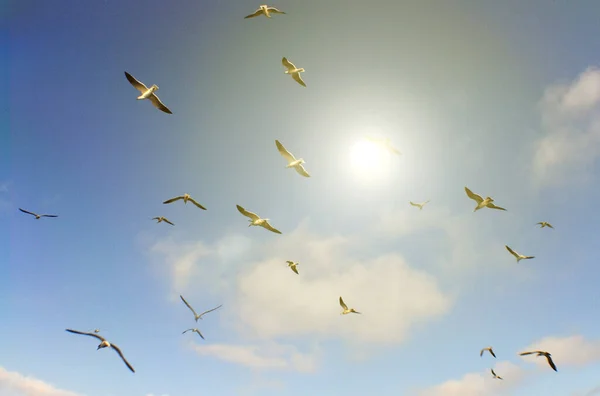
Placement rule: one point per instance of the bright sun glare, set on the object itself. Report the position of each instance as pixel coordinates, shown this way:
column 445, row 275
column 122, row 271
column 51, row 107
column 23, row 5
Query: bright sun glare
column 370, row 160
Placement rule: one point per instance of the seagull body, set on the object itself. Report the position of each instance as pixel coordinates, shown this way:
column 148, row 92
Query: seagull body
column 494, row 374
column 37, row 216
column 196, row 316
column 147, row 93
column 489, row 349
column 544, row 224
column 418, row 205
column 186, row 198
column 104, row 344
column 255, row 220
column 386, row 143
column 292, row 161
column 161, row 219
column 194, row 331
column 293, row 265
column 293, row 71
column 264, row 10
column 518, row 256
column 482, row 203
column 346, row 311
column 542, row 353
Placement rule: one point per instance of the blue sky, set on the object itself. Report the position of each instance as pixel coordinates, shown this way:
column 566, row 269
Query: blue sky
column 501, row 97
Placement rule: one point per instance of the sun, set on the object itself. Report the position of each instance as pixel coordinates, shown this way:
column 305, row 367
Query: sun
column 369, row 160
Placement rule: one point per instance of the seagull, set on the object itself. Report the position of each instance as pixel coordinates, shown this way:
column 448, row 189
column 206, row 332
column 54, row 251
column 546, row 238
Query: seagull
column 481, row 203
column 37, row 216
column 293, row 71
column 104, row 344
column 255, row 220
column 544, row 224
column 147, row 93
column 418, row 205
column 186, row 198
column 494, row 374
column 196, row 316
column 292, row 161
column 386, row 143
column 195, row 331
column 345, row 307
column 293, row 265
column 264, row 10
column 160, row 219
column 542, row 353
column 489, row 349
column 517, row 255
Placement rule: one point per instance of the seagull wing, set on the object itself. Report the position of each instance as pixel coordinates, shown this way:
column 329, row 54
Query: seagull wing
column 25, row 211
column 492, row 206
column 540, row 223
column 275, row 10
column 473, row 196
column 493, row 373
column 492, row 352
column 301, row 170
column 481, row 352
column 270, row 227
column 246, row 213
column 512, row 251
column 289, row 157
column 187, row 331
column 168, row 201
column 394, row 150
column 256, row 13
column 413, row 204
column 528, row 353
column 343, row 304
column 549, row 225
column 298, row 78
column 196, row 203
column 158, row 104
column 116, row 348
column 288, row 65
column 167, row 221
column 189, row 306
column 210, row 310
column 551, row 363
column 136, row 84
column 290, row 262
column 527, row 257
column 87, row 334
column 45, row 215
column 200, row 334
column 293, row 267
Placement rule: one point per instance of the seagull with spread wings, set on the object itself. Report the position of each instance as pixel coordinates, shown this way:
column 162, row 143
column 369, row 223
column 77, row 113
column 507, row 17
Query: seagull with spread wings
column 542, row 353
column 37, row 216
column 418, row 205
column 196, row 316
column 293, row 265
column 518, row 256
column 494, row 374
column 255, row 220
column 482, row 203
column 293, row 71
column 194, row 331
column 544, row 224
column 264, row 10
column 186, row 198
column 345, row 308
column 292, row 161
column 161, row 219
column 147, row 93
column 489, row 349
column 104, row 344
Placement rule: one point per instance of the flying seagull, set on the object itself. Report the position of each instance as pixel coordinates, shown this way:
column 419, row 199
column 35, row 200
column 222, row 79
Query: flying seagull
column 544, row 224
column 386, row 143
column 104, row 344
column 489, row 349
column 264, row 10
column 418, row 205
column 481, row 203
column 195, row 331
column 542, row 353
column 345, row 308
column 293, row 265
column 147, row 93
column 255, row 220
column 518, row 255
column 196, row 316
column 293, row 71
column 292, row 161
column 186, row 198
column 161, row 219
column 494, row 374
column 37, row 216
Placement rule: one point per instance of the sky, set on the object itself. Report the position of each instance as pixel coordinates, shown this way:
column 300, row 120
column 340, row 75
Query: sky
column 501, row 97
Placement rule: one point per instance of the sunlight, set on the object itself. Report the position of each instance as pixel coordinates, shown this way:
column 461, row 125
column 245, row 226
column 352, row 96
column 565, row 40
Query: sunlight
column 369, row 160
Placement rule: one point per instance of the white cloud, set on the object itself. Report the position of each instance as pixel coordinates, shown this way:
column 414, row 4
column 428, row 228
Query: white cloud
column 566, row 351
column 17, row 384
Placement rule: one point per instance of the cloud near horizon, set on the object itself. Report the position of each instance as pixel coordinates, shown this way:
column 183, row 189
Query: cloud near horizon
column 17, row 384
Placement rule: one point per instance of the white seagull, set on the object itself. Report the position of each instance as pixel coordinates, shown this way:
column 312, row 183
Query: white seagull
column 386, row 143
column 292, row 161
column 489, row 349
column 255, row 220
column 418, row 205
column 194, row 331
column 293, row 71
column 293, row 265
column 544, row 224
column 196, row 316
column 542, row 353
column 37, row 216
column 346, row 311
column 494, row 374
column 104, row 344
column 518, row 256
column 482, row 203
column 264, row 10
column 186, row 198
column 147, row 93
column 161, row 219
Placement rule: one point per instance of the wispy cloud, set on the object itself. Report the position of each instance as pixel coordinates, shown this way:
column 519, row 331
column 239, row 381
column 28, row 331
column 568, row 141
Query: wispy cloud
column 16, row 384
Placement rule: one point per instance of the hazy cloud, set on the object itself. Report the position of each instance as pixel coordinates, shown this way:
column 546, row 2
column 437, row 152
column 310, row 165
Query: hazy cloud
column 16, row 384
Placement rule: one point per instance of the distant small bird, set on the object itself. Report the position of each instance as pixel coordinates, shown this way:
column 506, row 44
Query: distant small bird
column 161, row 219
column 293, row 71
column 544, row 224
column 37, row 216
column 293, row 265
column 292, row 161
column 482, row 203
column 147, row 93
column 186, row 198
column 418, row 205
column 494, row 374
column 385, row 143
column 196, row 316
column 195, row 331
column 104, row 344
column 346, row 311
column 255, row 220
column 518, row 256
column 542, row 353
column 489, row 349
column 264, row 10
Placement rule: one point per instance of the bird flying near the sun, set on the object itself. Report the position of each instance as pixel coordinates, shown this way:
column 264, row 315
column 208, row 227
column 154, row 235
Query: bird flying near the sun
column 104, row 344
column 147, row 93
column 385, row 143
column 544, row 224
column 264, row 10
column 194, row 331
column 494, row 374
column 489, row 349
column 37, row 216
column 292, row 161
column 186, row 198
column 542, row 353
column 345, row 308
column 196, row 316
column 161, row 219
column 418, row 205
column 482, row 203
column 293, row 71
column 518, row 256
column 255, row 220
column 293, row 265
